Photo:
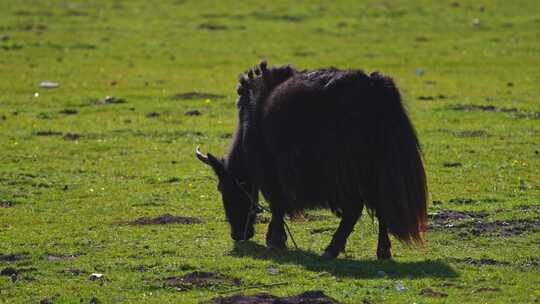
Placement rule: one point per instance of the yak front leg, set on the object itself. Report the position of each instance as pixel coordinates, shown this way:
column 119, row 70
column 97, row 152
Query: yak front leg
column 383, row 245
column 276, row 236
column 339, row 240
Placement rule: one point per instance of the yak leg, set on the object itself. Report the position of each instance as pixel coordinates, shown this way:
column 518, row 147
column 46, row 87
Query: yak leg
column 383, row 245
column 346, row 226
column 276, row 236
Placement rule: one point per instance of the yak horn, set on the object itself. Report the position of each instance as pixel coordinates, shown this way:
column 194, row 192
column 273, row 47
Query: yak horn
column 201, row 156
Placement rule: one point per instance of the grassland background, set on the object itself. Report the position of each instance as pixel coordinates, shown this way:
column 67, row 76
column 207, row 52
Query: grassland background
column 73, row 197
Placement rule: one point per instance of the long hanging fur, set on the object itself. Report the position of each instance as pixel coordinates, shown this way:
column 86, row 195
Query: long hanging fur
column 334, row 139
column 398, row 193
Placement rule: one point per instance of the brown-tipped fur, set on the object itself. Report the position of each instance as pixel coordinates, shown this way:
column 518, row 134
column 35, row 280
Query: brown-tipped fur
column 399, row 194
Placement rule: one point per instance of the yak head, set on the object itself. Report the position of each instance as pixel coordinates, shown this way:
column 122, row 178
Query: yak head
column 240, row 209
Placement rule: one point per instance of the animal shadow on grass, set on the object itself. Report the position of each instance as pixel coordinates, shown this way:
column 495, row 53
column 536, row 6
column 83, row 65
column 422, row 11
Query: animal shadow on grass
column 342, row 267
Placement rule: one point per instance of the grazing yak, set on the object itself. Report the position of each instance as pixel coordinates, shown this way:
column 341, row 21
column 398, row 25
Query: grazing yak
column 326, row 138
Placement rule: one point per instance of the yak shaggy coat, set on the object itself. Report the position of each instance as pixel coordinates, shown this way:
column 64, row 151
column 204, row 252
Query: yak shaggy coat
column 326, row 138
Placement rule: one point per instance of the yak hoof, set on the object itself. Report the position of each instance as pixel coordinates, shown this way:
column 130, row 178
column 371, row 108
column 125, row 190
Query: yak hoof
column 330, row 254
column 384, row 254
column 276, row 244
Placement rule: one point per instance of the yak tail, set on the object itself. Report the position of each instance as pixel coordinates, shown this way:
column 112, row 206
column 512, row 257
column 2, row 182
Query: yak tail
column 398, row 186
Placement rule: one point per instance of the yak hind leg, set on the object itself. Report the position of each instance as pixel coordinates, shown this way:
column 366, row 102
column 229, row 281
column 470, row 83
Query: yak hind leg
column 276, row 236
column 383, row 245
column 339, row 240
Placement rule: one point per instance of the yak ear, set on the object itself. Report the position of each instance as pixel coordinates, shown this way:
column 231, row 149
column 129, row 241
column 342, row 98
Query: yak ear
column 216, row 164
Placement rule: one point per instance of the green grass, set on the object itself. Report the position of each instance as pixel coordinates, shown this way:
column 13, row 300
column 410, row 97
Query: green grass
column 74, row 196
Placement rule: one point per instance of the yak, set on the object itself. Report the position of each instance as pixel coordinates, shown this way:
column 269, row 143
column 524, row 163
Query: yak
column 322, row 138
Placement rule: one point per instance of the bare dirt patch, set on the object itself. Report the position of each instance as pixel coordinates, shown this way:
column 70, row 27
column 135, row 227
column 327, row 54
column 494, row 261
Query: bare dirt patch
column 13, row 257
column 212, row 26
column 429, row 292
column 308, row 297
column 15, row 273
column 463, row 201
column 452, row 164
column 193, row 113
column 514, row 112
column 6, row 204
column 471, row 133
column 502, row 228
column 200, row 279
column 196, row 95
column 58, row 256
column 486, row 289
column 440, row 96
column 166, row 219
column 72, row 136
column 48, row 133
column 444, row 219
column 482, row 262
column 447, row 215
column 277, row 17
column 529, row 208
column 69, row 112
column 473, row 222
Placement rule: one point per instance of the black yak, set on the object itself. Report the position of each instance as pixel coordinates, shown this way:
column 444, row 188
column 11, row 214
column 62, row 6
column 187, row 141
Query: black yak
column 326, row 138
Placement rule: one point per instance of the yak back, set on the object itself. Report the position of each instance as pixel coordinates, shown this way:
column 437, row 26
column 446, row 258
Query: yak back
column 337, row 139
column 316, row 139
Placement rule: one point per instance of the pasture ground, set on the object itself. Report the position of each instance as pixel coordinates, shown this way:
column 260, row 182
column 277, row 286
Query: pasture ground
column 79, row 170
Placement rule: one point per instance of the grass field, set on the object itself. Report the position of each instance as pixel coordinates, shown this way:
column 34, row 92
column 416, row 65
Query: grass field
column 77, row 168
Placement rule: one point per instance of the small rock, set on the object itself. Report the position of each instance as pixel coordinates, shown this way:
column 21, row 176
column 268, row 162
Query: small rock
column 45, row 301
column 400, row 286
column 419, row 71
column 110, row 100
column 152, row 114
column 4, row 38
column 381, row 273
column 476, row 22
column 510, row 84
column 273, row 270
column 96, row 276
column 94, row 300
column 49, row 85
